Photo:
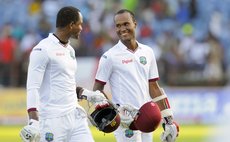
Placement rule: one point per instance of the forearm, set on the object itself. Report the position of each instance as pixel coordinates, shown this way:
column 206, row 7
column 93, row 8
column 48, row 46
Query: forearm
column 160, row 98
column 163, row 103
column 171, row 128
column 100, row 87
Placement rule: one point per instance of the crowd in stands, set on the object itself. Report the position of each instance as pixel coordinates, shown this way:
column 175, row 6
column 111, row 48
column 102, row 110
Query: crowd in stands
column 190, row 38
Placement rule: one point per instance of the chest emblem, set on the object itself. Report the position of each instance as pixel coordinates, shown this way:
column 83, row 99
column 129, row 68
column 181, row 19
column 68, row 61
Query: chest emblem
column 129, row 133
column 49, row 137
column 143, row 60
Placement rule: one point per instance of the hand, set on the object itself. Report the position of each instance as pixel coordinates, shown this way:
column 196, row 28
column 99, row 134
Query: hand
column 95, row 97
column 171, row 131
column 127, row 114
column 30, row 133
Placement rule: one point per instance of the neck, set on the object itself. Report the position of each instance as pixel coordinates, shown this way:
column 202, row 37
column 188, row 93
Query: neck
column 61, row 36
column 132, row 44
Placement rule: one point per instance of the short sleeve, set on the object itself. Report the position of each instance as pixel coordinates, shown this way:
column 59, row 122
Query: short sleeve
column 153, row 72
column 104, row 68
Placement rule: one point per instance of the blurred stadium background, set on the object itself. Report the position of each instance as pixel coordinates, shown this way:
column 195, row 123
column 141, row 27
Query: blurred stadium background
column 191, row 40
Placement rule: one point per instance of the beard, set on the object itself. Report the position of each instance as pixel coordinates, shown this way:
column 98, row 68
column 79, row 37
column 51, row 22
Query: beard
column 75, row 36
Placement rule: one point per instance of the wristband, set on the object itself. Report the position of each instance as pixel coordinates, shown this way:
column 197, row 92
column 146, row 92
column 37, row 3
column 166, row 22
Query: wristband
column 161, row 97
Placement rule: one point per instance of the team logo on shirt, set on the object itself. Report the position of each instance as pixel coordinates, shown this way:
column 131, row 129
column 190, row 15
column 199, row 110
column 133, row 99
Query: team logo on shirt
column 60, row 54
column 104, row 56
column 129, row 133
column 37, row 49
column 49, row 137
column 126, row 61
column 143, row 60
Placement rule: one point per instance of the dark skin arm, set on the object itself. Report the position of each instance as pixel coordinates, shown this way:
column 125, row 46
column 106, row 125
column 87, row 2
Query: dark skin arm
column 100, row 87
column 155, row 91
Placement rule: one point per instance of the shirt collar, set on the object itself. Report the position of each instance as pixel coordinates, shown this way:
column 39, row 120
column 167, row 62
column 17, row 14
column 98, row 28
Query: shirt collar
column 121, row 45
column 56, row 40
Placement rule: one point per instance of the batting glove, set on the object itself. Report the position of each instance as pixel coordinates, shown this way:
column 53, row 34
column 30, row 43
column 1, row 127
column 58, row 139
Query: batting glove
column 30, row 132
column 95, row 97
column 127, row 114
column 171, row 130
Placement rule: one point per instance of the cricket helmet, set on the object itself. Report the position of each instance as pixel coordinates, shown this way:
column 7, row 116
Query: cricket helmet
column 105, row 119
column 148, row 119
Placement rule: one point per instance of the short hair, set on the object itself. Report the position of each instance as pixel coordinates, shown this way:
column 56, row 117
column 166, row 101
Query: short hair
column 66, row 15
column 128, row 11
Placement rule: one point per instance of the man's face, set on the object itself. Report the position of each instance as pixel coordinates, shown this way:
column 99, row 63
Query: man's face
column 125, row 26
column 77, row 28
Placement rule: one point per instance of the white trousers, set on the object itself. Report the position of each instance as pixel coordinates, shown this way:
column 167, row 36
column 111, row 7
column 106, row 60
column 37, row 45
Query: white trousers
column 69, row 128
column 126, row 135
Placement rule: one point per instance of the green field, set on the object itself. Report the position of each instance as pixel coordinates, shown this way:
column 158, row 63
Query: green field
column 188, row 133
column 12, row 103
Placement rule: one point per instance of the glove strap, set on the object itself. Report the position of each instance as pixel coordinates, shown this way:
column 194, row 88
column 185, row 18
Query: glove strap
column 168, row 120
column 85, row 93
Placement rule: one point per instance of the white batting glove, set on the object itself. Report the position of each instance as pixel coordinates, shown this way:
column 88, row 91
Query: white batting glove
column 127, row 114
column 97, row 98
column 171, row 131
column 30, row 132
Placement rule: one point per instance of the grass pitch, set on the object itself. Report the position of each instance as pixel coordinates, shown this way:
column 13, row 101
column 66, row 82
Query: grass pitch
column 188, row 133
column 12, row 104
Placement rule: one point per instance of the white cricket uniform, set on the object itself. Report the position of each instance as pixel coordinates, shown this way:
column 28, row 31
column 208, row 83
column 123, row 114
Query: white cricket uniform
column 52, row 77
column 128, row 73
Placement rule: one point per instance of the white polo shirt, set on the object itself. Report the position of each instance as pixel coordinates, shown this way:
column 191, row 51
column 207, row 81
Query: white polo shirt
column 52, row 77
column 128, row 73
